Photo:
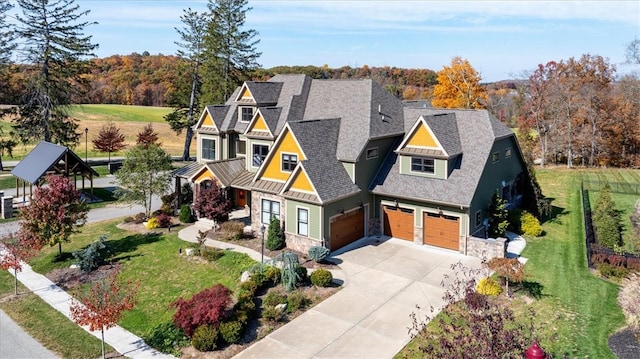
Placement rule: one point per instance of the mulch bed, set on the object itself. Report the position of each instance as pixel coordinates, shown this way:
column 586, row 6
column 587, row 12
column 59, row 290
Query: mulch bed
column 70, row 278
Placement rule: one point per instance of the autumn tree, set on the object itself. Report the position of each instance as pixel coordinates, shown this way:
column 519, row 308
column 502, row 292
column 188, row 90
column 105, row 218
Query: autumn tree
column 459, row 87
column 621, row 134
column 110, row 139
column 191, row 49
column 229, row 50
column 102, row 304
column 632, row 52
column 147, row 137
column 55, row 212
column 211, row 203
column 145, row 172
column 511, row 269
column 15, row 250
column 52, row 39
column 207, row 307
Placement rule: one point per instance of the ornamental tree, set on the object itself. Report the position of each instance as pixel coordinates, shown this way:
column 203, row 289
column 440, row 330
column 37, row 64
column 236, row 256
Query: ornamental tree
column 207, row 307
column 511, row 269
column 110, row 139
column 459, row 87
column 15, row 250
column 55, row 212
column 211, row 203
column 102, row 304
column 147, row 136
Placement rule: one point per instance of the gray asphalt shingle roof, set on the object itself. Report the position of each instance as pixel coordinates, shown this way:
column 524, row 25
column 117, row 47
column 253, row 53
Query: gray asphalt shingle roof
column 264, row 92
column 46, row 157
column 477, row 130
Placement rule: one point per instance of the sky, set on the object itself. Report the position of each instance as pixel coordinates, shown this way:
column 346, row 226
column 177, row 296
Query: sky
column 501, row 39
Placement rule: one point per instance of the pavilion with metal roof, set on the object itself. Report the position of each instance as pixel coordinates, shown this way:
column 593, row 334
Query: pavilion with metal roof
column 49, row 158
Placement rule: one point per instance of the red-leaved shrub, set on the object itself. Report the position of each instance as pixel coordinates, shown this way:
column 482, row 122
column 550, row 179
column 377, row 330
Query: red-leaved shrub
column 206, row 307
column 633, row 263
column 164, row 221
column 617, row 260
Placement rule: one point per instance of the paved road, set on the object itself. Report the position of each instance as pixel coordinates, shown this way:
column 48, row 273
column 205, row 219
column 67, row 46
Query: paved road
column 16, row 344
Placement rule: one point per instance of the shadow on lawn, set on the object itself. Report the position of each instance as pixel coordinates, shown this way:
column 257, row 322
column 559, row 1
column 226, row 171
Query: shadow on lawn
column 130, row 244
column 533, row 289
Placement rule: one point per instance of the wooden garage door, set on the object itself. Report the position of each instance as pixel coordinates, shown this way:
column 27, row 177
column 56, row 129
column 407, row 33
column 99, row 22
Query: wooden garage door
column 442, row 231
column 347, row 228
column 398, row 222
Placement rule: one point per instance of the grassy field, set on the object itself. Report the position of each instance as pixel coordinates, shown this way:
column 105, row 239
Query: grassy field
column 130, row 119
column 576, row 311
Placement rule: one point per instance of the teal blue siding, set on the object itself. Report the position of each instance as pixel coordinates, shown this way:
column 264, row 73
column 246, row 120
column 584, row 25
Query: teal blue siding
column 440, row 167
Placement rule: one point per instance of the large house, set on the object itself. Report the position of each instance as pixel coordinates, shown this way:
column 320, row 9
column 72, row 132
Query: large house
column 337, row 160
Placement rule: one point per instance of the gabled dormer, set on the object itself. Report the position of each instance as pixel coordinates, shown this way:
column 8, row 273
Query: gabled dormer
column 263, row 124
column 208, row 134
column 299, row 186
column 211, row 119
column 431, row 148
column 256, row 94
column 282, row 158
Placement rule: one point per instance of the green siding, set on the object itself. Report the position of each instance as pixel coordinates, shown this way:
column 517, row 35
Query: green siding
column 351, row 169
column 366, row 169
column 291, row 221
column 440, row 168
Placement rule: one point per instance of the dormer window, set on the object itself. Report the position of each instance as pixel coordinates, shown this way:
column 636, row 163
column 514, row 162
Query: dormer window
column 289, row 162
column 246, row 113
column 422, row 165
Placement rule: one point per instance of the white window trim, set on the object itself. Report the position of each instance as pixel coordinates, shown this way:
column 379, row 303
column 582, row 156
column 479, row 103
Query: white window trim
column 240, row 108
column 372, row 156
column 298, row 221
column 282, row 154
column 215, row 149
column 253, row 153
column 262, row 200
column 422, row 172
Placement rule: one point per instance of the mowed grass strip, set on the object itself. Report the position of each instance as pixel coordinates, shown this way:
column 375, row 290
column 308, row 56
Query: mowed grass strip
column 48, row 326
column 119, row 113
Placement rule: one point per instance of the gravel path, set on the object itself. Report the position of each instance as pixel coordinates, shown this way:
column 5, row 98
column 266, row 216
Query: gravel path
column 625, row 345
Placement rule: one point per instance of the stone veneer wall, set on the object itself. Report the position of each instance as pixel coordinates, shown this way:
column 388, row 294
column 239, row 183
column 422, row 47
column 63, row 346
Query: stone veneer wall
column 375, row 229
column 300, row 243
column 256, row 209
column 486, row 248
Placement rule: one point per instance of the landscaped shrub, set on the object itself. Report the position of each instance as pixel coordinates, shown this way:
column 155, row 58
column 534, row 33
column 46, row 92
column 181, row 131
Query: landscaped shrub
column 599, row 258
column 273, row 274
column 275, row 235
column 610, row 271
column 511, row 269
column 212, row 254
column 139, row 218
column 152, row 223
column 272, row 314
column 185, row 214
column 273, row 298
column 633, row 264
column 205, row 307
column 488, row 286
column 164, row 221
column 303, row 277
column 233, row 230
column 244, row 302
column 629, row 301
column 250, row 286
column 204, row 338
column 296, row 301
column 167, row 338
column 617, row 260
column 530, row 225
column 321, row 278
column 514, row 220
column 213, row 204
column 318, row 253
column 230, row 331
column 290, row 272
column 93, row 256
column 606, row 220
column 498, row 222
column 258, row 275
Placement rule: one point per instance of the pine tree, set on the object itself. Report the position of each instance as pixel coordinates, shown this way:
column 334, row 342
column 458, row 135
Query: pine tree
column 498, row 222
column 54, row 44
column 230, row 52
column 6, row 35
column 191, row 49
column 275, row 235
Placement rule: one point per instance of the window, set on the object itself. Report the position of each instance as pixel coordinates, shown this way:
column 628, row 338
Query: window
column 289, row 162
column 259, row 154
column 424, row 165
column 495, row 157
column 208, row 149
column 507, row 153
column 303, row 221
column 241, row 147
column 372, row 153
column 478, row 218
column 246, row 114
column 270, row 209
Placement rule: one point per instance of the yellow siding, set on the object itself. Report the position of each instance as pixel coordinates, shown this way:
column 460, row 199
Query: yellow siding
column 273, row 167
column 208, row 121
column 422, row 138
column 302, row 183
column 205, row 175
column 259, row 125
column 246, row 95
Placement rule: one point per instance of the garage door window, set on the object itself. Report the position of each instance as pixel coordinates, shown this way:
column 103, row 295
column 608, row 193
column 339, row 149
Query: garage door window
column 270, row 209
column 303, row 222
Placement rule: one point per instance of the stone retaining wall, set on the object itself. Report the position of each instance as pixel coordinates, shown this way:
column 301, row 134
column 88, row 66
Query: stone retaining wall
column 486, row 248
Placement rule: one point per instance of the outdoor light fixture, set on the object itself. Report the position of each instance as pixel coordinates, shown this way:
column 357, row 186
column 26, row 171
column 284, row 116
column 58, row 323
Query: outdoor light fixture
column 262, row 229
column 86, row 142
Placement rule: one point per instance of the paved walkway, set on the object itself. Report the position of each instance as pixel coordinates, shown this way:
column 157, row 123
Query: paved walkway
column 515, row 246
column 15, row 343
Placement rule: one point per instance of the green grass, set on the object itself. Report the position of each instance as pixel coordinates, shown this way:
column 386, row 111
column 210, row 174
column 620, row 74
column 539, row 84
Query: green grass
column 164, row 274
column 120, row 113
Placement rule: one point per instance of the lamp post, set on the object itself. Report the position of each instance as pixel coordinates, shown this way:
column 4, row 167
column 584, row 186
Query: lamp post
column 86, row 142
column 262, row 229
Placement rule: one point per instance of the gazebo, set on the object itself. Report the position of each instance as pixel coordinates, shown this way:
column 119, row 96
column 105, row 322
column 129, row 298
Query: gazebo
column 49, row 158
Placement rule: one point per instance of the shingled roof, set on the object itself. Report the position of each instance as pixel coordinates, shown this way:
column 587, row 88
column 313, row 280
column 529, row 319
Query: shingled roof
column 478, row 132
column 264, row 92
column 48, row 157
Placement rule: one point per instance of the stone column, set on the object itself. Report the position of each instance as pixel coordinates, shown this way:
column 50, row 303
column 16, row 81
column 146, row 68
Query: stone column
column 7, row 206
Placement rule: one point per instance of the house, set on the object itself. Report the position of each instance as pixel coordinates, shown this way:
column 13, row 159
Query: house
column 337, row 160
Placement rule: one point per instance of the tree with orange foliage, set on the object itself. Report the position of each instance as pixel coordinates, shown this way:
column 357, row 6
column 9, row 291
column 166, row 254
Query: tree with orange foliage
column 14, row 250
column 147, row 137
column 459, row 87
column 109, row 139
column 102, row 304
column 511, row 269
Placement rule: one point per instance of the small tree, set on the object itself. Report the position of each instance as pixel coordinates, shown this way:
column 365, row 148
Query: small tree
column 102, row 304
column 144, row 173
column 275, row 236
column 498, row 215
column 109, row 139
column 511, row 269
column 55, row 212
column 147, row 137
column 16, row 251
column 207, row 307
column 212, row 204
column 93, row 255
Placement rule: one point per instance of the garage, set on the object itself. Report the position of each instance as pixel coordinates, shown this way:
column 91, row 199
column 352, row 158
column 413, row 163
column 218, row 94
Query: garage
column 441, row 231
column 346, row 228
column 398, row 222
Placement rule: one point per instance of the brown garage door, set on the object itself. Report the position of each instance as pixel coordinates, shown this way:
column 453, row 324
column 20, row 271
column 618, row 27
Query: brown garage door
column 441, row 231
column 347, row 228
column 398, row 222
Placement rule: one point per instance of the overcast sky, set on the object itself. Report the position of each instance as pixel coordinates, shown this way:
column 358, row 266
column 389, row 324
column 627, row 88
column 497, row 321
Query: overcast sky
column 501, row 39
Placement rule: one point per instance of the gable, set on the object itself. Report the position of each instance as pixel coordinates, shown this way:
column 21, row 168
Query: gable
column 245, row 95
column 422, row 137
column 207, row 121
column 286, row 144
column 202, row 175
column 301, row 182
column 258, row 124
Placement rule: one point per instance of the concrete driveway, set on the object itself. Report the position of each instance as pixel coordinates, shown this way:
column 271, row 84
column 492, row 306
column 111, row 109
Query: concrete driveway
column 385, row 281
